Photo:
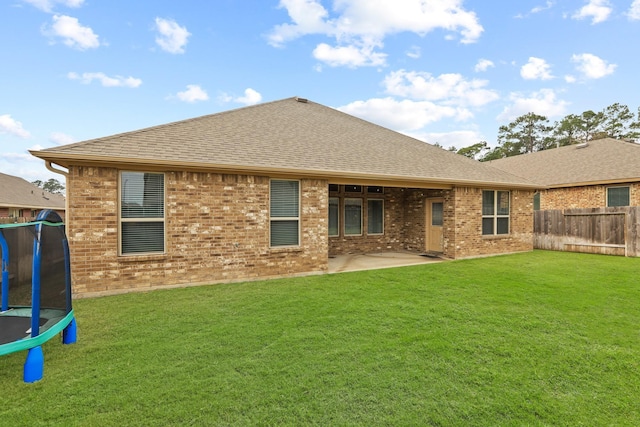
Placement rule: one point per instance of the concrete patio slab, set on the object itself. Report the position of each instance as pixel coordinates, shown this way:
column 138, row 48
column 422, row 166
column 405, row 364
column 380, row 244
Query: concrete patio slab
column 358, row 262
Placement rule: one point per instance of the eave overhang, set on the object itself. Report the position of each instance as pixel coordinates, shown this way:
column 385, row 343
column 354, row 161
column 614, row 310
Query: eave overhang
column 335, row 177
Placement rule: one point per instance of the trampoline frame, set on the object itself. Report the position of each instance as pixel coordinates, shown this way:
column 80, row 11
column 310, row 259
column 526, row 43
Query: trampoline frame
column 57, row 320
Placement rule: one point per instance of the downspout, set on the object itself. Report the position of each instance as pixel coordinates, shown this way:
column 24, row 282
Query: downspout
column 50, row 167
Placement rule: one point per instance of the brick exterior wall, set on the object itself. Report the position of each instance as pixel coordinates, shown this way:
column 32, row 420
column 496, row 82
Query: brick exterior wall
column 592, row 196
column 217, row 229
column 26, row 214
column 463, row 235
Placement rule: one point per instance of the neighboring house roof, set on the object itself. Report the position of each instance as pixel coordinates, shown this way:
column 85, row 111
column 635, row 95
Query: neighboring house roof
column 290, row 137
column 16, row 192
column 601, row 161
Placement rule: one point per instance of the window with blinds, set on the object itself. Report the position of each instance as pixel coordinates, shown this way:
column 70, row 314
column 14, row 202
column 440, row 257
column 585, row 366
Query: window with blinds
column 375, row 216
column 141, row 213
column 352, row 217
column 284, row 213
column 334, row 228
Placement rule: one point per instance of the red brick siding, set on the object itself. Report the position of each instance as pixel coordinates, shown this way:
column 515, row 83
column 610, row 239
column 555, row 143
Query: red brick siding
column 592, row 196
column 217, row 229
column 464, row 239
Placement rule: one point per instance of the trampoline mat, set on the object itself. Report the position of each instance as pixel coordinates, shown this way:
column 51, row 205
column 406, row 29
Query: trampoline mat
column 14, row 328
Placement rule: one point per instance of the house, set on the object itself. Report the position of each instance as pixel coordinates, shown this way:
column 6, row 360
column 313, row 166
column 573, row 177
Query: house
column 596, row 174
column 21, row 199
column 273, row 190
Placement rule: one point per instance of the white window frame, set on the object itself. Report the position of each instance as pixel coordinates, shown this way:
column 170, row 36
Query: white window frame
column 628, row 195
column 495, row 216
column 337, row 200
column 121, row 220
column 346, row 200
column 296, row 218
column 369, row 218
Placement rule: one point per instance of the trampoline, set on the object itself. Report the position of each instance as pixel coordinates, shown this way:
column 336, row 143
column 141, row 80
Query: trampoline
column 35, row 289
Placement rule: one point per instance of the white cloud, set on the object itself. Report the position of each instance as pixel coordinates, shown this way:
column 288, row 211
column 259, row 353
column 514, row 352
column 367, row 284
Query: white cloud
column 415, row 52
column 250, row 97
column 48, row 5
column 536, row 69
column 538, row 9
column 458, row 139
column 543, row 102
column 597, row 10
column 193, row 93
column 451, row 89
column 403, row 116
column 72, row 33
column 59, row 138
column 592, row 67
column 634, row 11
column 570, row 78
column 116, row 81
column 483, row 65
column 11, row 126
column 350, row 56
column 172, row 38
column 360, row 26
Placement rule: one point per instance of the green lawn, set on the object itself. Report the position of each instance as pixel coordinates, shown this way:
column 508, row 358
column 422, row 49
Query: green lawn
column 543, row 338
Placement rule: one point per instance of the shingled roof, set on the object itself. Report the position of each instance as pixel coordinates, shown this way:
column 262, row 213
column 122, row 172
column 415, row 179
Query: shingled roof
column 602, row 161
column 16, row 192
column 290, row 137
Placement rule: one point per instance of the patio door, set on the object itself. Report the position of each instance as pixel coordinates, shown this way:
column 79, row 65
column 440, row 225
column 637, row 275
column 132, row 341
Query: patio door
column 434, row 241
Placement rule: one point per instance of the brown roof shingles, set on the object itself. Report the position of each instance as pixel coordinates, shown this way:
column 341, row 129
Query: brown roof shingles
column 605, row 160
column 286, row 135
column 16, row 192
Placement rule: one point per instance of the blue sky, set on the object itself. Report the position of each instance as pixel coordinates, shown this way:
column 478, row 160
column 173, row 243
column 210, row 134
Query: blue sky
column 445, row 71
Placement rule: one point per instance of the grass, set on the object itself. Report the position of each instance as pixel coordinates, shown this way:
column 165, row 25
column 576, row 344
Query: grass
column 543, row 338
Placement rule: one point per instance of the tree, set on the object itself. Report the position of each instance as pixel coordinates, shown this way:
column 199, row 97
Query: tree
column 52, row 186
column 474, row 151
column 618, row 122
column 591, row 124
column 567, row 130
column 526, row 134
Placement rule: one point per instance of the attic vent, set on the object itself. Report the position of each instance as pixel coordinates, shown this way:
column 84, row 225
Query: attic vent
column 303, row 100
column 583, row 145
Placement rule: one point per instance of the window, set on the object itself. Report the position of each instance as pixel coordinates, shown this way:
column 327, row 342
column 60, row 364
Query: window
column 437, row 210
column 352, row 217
column 375, row 216
column 334, row 208
column 495, row 212
column 536, row 202
column 353, row 189
column 334, row 188
column 375, row 190
column 141, row 213
column 285, row 213
column 617, row 196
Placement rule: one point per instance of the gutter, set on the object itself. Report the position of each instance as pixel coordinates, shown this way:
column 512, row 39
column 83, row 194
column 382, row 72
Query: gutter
column 337, row 177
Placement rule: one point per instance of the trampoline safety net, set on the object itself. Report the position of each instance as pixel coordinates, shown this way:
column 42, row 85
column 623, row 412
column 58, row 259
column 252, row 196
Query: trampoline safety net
column 19, row 243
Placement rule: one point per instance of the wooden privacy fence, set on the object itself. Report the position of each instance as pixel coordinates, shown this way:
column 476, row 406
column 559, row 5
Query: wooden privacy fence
column 610, row 231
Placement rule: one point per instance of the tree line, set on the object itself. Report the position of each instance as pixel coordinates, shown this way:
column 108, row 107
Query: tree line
column 533, row 132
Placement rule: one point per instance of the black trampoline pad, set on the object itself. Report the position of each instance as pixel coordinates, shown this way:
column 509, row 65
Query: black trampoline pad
column 14, row 328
